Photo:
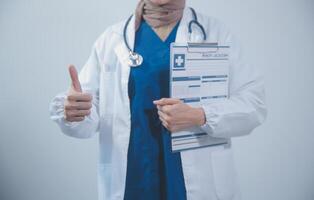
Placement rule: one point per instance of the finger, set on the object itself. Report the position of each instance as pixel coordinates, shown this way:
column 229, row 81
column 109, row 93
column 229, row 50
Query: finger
column 77, row 113
column 171, row 129
column 75, row 119
column 74, row 78
column 80, row 97
column 165, row 109
column 78, row 106
column 163, row 117
column 165, row 125
column 167, row 101
column 177, row 128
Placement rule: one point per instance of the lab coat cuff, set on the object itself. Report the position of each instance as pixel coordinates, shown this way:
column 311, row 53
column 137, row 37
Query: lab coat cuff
column 210, row 119
column 57, row 110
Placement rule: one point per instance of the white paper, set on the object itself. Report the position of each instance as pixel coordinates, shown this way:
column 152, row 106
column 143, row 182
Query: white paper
column 199, row 75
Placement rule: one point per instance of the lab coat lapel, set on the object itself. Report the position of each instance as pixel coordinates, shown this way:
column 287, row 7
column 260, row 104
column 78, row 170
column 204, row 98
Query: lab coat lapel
column 121, row 50
column 182, row 32
column 122, row 54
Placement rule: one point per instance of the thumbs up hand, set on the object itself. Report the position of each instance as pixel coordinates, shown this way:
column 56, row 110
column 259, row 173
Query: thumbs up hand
column 78, row 104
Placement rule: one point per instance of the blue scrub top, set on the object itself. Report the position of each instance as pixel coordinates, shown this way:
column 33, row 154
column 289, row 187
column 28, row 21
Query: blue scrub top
column 153, row 171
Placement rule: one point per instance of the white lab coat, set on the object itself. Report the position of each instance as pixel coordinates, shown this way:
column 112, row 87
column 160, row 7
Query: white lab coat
column 209, row 173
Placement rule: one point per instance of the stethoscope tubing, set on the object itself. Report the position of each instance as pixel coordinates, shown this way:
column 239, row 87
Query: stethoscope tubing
column 190, row 29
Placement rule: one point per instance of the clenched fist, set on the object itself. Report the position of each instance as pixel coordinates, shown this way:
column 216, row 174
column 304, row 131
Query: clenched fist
column 78, row 104
column 176, row 115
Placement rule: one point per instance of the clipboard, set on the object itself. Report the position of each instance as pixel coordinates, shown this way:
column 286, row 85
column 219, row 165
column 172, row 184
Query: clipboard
column 199, row 75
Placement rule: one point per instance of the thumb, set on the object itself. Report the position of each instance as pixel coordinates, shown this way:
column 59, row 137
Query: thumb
column 76, row 85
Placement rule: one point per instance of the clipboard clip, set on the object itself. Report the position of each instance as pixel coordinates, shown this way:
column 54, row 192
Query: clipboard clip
column 193, row 47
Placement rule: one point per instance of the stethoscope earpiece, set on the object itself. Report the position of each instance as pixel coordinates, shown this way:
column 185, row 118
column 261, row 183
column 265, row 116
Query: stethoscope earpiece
column 136, row 59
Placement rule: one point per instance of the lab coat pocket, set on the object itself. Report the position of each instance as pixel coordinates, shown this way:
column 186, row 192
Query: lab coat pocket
column 104, row 180
column 224, row 174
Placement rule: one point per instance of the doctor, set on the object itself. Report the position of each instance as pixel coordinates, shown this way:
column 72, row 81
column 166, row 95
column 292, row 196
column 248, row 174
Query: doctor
column 122, row 93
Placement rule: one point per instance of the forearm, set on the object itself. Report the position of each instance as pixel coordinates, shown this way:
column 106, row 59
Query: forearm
column 236, row 116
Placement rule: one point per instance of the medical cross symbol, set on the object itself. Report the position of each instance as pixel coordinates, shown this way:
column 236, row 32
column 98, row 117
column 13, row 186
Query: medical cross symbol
column 179, row 60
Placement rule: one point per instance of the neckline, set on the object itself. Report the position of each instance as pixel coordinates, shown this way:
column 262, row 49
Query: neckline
column 166, row 41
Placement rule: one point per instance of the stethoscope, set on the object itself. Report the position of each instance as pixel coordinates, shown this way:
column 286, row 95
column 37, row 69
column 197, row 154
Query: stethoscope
column 135, row 59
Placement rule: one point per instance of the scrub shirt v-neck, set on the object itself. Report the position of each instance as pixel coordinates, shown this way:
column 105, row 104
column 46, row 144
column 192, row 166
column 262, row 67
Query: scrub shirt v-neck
column 153, row 171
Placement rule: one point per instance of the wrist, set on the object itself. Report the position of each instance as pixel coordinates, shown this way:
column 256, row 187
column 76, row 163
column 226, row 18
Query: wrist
column 200, row 118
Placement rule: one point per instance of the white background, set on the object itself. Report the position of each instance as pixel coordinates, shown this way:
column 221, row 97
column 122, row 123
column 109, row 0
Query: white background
column 39, row 38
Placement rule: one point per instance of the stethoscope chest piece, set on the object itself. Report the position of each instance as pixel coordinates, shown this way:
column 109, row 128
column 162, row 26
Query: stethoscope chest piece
column 135, row 59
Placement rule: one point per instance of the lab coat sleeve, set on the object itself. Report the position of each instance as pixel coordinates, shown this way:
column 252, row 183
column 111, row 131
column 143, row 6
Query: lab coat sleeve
column 89, row 79
column 245, row 109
